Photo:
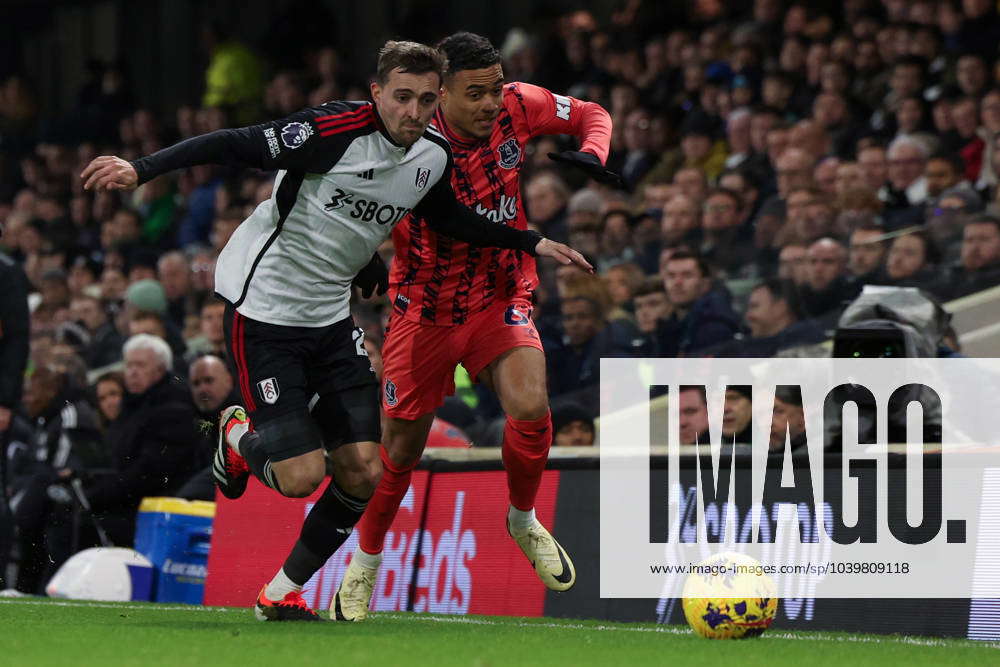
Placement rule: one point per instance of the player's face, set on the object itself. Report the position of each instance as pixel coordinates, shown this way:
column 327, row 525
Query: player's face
column 472, row 99
column 406, row 103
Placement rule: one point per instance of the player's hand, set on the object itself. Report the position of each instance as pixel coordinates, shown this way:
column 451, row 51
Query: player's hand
column 109, row 172
column 374, row 278
column 589, row 164
column 562, row 253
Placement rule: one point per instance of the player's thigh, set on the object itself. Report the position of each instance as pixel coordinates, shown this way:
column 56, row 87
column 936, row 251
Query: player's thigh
column 518, row 378
column 271, row 363
column 418, row 364
column 505, row 353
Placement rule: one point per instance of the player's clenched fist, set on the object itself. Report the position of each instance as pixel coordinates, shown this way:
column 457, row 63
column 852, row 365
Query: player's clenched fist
column 562, row 253
column 109, row 172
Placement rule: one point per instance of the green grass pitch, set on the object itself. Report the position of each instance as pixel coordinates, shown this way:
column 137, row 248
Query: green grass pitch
column 59, row 632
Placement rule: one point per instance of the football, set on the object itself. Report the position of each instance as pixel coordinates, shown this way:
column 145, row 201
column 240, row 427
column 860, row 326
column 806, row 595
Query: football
column 729, row 597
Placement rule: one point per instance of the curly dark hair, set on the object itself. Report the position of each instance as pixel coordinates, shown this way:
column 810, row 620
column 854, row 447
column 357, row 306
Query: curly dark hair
column 466, row 50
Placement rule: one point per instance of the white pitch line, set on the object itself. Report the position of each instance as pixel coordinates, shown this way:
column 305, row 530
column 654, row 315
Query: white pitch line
column 463, row 620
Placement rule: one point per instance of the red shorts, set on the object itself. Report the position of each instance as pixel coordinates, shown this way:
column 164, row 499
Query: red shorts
column 419, row 360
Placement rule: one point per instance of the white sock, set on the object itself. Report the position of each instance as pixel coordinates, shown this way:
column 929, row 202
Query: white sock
column 234, row 435
column 519, row 520
column 280, row 586
column 365, row 559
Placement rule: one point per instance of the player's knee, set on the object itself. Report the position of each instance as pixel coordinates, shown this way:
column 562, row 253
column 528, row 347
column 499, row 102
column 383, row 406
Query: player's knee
column 529, row 404
column 299, row 483
column 361, row 479
column 404, row 443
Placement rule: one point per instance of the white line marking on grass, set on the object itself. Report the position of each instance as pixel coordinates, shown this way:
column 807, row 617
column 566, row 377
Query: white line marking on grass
column 801, row 636
column 116, row 605
column 464, row 620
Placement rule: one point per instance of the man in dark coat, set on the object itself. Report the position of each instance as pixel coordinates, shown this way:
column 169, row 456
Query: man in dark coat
column 702, row 316
column 13, row 359
column 152, row 444
column 64, row 435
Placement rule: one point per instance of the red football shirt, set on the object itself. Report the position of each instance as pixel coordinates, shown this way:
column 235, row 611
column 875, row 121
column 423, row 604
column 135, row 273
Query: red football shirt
column 441, row 281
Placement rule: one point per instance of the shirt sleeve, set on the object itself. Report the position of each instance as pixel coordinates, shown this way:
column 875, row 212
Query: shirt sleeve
column 302, row 141
column 548, row 113
column 443, row 213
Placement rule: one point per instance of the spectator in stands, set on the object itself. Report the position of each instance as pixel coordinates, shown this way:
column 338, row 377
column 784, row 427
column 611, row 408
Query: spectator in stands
column 979, row 266
column 692, row 411
column 912, row 262
column 173, row 271
column 793, row 264
column 788, row 422
column 572, row 427
column 546, row 195
column 701, row 315
column 212, row 390
column 867, row 250
column 907, row 188
column 944, row 222
column 574, row 362
column 65, row 441
column 942, row 172
column 637, row 158
column 724, row 241
column 622, row 281
column 828, row 286
column 875, row 167
column 152, row 445
column 104, row 345
column 737, row 416
column 793, row 170
column 211, row 338
column 774, row 318
column 109, row 392
column 650, row 304
column 681, row 222
column 808, row 217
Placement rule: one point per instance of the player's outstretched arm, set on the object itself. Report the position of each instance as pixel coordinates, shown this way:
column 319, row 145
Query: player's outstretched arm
column 445, row 215
column 289, row 143
column 236, row 147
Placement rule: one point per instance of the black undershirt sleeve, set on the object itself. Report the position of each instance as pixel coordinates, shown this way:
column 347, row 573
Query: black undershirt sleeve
column 445, row 215
column 236, row 147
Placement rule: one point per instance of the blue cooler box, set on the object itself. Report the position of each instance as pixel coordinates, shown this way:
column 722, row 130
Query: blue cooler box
column 175, row 535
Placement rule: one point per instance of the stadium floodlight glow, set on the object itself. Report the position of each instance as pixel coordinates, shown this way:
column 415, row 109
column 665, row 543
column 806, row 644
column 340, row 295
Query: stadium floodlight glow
column 893, row 490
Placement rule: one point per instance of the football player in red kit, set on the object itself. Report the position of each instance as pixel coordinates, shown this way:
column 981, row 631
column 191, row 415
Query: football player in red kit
column 453, row 303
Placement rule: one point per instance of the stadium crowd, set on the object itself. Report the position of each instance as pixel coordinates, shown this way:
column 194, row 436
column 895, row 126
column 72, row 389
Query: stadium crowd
column 775, row 158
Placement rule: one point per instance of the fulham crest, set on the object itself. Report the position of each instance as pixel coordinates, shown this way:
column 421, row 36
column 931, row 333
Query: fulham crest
column 423, row 175
column 268, row 390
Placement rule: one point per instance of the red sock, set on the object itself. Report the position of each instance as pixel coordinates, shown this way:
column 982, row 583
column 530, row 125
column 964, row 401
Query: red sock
column 526, row 445
column 383, row 505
